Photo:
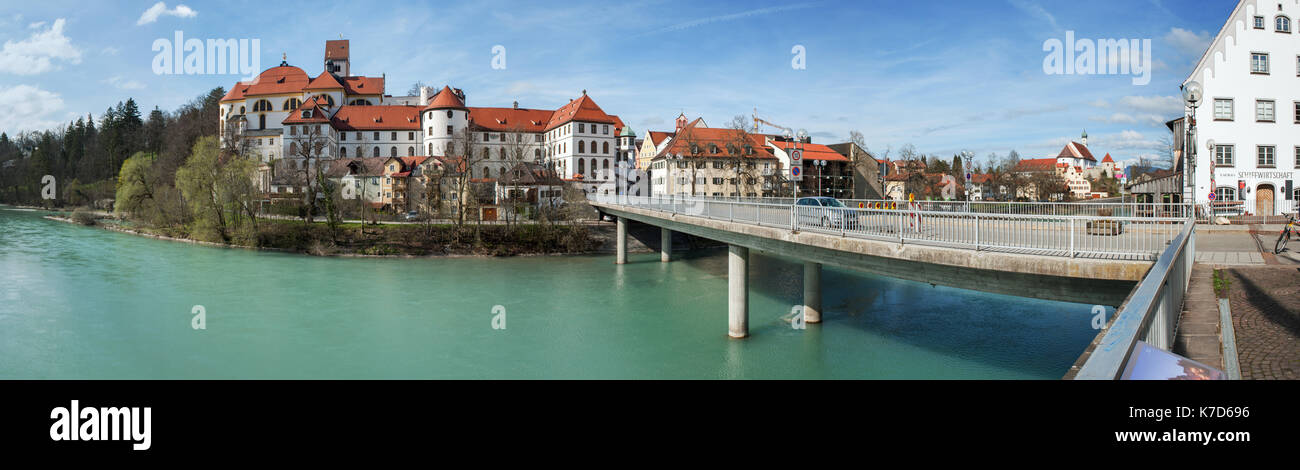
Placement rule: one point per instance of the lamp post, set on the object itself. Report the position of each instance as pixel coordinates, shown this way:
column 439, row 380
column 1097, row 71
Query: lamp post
column 1192, row 94
column 820, row 165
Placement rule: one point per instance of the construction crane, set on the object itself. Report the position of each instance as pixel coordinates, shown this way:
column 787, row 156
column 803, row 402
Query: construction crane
column 760, row 121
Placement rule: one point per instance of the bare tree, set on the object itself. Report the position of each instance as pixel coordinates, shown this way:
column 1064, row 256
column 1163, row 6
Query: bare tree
column 467, row 155
column 519, row 149
column 308, row 144
column 740, row 154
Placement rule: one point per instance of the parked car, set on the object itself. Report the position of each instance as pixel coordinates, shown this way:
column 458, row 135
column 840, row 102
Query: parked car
column 412, row 216
column 826, row 212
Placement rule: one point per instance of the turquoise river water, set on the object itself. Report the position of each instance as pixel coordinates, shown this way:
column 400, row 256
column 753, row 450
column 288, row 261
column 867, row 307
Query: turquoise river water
column 78, row 302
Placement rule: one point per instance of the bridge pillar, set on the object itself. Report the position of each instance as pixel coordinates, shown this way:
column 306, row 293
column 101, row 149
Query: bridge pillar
column 812, row 292
column 737, row 291
column 665, row 245
column 621, row 257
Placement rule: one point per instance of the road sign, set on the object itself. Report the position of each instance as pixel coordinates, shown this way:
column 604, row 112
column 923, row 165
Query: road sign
column 796, row 173
column 796, row 155
column 1212, row 196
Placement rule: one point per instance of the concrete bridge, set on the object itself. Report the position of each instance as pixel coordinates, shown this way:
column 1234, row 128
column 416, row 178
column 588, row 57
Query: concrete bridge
column 1073, row 258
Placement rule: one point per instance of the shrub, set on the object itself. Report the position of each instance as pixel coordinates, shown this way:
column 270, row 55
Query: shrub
column 83, row 216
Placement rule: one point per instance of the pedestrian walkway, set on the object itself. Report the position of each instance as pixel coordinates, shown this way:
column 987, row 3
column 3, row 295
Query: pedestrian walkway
column 1266, row 319
column 1225, row 247
column 1198, row 328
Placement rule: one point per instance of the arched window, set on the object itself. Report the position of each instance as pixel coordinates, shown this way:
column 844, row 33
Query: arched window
column 293, row 148
column 1283, row 24
column 501, row 172
column 291, row 104
column 1226, row 193
column 582, row 146
column 503, row 153
column 343, row 152
column 486, row 155
column 604, row 148
column 241, row 110
column 605, row 164
column 261, row 105
column 410, row 151
column 450, row 114
column 582, row 167
column 593, row 165
column 593, row 146
column 392, row 151
column 537, row 153
column 430, row 149
column 360, row 102
column 375, row 152
column 487, row 172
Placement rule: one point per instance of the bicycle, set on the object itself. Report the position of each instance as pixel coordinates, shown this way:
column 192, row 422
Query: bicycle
column 1285, row 236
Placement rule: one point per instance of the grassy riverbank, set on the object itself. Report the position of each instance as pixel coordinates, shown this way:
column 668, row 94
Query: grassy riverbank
column 380, row 240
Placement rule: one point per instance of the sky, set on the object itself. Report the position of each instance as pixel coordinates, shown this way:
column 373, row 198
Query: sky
column 943, row 76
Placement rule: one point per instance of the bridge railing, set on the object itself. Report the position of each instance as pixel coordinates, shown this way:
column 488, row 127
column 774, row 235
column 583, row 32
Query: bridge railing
column 1083, row 208
column 1149, row 314
column 1114, row 237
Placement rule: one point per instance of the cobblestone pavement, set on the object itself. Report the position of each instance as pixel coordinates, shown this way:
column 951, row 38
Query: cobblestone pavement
column 1265, row 305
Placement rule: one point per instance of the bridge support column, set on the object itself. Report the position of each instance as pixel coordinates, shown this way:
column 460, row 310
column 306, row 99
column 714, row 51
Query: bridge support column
column 621, row 257
column 737, row 291
column 812, row 292
column 665, row 245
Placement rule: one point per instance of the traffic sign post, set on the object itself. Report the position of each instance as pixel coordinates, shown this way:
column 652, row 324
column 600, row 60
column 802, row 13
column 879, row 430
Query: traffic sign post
column 796, row 173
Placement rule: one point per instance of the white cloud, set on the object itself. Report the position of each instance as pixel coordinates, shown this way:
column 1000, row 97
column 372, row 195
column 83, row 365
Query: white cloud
column 159, row 9
column 36, row 25
column 123, row 84
column 37, row 53
column 1100, row 103
column 1036, row 10
column 1162, row 105
column 27, row 108
column 110, row 50
column 1188, row 42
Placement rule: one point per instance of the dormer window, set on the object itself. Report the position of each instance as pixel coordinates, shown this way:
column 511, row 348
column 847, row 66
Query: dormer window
column 306, row 114
column 1282, row 24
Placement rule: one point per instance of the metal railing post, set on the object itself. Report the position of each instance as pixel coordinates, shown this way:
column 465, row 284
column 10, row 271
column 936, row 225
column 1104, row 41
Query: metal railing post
column 1071, row 238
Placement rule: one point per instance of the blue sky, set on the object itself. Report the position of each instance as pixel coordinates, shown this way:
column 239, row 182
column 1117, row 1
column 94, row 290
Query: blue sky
column 944, row 76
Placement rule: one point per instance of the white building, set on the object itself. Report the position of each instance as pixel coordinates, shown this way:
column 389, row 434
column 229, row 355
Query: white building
column 283, row 109
column 1247, row 134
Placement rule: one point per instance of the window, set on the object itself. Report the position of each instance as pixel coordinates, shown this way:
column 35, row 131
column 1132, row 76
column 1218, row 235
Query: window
column 606, row 129
column 1265, row 156
column 604, row 148
column 1223, row 155
column 376, row 136
column 1259, row 22
column 343, row 152
column 261, row 105
column 375, row 152
column 717, row 165
column 358, row 136
column 1297, row 112
column 410, row 151
column 343, row 137
column 1264, row 111
column 717, row 181
column 291, row 104
column 449, row 114
column 1223, row 109
column 1259, row 63
column 1282, row 24
column 448, row 130
column 582, row 146
column 1296, row 156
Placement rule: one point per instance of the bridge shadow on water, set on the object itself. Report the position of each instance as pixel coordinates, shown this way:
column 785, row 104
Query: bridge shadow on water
column 1029, row 337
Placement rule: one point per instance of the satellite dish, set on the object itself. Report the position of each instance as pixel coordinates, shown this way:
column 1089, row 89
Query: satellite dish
column 1192, row 93
column 1209, row 145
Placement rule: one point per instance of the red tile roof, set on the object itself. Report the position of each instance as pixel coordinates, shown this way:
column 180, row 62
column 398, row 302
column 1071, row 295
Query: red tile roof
column 814, row 151
column 657, row 137
column 509, row 119
column 446, row 99
column 377, row 118
column 324, row 81
column 336, row 49
column 275, row 80
column 236, row 92
column 1076, row 150
column 704, row 137
column 317, row 115
column 363, row 85
column 1036, row 164
column 582, row 109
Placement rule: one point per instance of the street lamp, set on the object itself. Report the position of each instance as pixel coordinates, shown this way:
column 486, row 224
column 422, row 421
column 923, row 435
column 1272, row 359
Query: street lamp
column 820, row 164
column 1192, row 94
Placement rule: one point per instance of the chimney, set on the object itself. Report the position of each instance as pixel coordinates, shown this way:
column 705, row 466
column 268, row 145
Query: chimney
column 516, row 105
column 424, row 96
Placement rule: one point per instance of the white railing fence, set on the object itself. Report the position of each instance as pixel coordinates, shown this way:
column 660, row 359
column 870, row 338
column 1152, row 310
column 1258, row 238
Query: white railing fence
column 1150, row 313
column 1128, row 231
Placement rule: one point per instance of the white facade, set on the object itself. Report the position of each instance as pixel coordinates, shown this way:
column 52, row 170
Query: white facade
column 1251, row 109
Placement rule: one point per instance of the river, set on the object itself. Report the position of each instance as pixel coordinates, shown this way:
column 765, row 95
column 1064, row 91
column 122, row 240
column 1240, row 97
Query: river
column 85, row 303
